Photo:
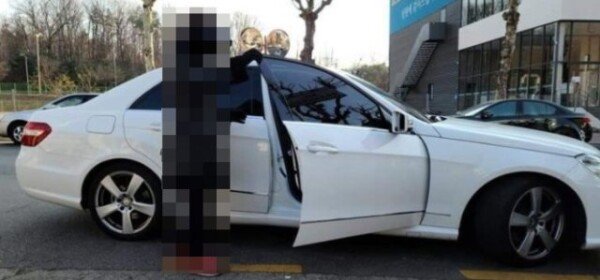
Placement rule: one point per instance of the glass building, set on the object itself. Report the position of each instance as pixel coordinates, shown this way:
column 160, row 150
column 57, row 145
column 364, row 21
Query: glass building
column 532, row 70
column 557, row 55
column 557, row 61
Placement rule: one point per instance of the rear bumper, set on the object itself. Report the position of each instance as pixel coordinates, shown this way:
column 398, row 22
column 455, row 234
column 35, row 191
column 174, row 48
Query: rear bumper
column 51, row 177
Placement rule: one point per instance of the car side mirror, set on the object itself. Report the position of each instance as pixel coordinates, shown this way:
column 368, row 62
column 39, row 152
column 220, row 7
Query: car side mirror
column 400, row 123
column 238, row 116
column 485, row 115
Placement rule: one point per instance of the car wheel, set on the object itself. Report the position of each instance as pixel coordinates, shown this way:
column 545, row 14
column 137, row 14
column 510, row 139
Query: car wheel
column 125, row 201
column 15, row 132
column 521, row 221
column 589, row 134
column 569, row 133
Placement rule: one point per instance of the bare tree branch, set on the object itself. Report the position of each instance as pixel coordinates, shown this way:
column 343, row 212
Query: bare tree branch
column 310, row 16
column 323, row 4
column 299, row 5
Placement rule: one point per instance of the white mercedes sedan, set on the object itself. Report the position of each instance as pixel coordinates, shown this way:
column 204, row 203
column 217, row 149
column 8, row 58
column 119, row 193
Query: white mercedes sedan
column 332, row 155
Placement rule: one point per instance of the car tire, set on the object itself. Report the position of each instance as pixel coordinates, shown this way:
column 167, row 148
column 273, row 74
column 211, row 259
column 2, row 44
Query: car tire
column 589, row 133
column 15, row 131
column 125, row 201
column 511, row 228
column 569, row 132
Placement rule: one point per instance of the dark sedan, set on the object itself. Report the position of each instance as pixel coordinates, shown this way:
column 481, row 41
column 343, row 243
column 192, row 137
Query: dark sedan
column 535, row 114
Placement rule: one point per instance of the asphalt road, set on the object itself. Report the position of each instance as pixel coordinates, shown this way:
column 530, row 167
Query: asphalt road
column 40, row 240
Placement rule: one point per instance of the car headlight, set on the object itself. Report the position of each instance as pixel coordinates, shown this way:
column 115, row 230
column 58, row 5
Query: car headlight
column 592, row 162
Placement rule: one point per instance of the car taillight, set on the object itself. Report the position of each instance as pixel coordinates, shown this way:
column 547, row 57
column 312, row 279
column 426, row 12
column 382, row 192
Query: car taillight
column 34, row 133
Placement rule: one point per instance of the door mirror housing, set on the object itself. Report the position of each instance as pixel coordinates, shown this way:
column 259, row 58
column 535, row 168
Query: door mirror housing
column 238, row 116
column 400, row 123
column 485, row 115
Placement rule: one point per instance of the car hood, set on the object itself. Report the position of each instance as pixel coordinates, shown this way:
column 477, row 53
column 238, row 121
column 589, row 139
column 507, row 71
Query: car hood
column 510, row 136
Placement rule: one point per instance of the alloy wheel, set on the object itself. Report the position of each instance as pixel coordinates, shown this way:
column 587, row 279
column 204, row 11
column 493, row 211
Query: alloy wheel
column 537, row 223
column 125, row 202
column 17, row 133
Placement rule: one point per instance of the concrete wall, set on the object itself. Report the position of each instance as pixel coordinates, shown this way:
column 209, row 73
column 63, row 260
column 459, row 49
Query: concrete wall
column 442, row 70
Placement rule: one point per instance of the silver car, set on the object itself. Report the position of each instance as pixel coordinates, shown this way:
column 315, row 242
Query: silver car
column 12, row 124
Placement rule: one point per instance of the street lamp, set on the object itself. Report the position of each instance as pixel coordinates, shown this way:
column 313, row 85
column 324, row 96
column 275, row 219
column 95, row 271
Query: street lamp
column 39, row 70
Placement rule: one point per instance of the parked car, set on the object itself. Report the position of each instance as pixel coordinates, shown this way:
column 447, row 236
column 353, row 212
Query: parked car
column 535, row 114
column 332, row 155
column 12, row 124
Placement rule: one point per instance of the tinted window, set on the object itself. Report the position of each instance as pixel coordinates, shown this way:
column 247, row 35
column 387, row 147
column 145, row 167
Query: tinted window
column 151, row 100
column 312, row 95
column 247, row 96
column 505, row 109
column 72, row 100
column 538, row 109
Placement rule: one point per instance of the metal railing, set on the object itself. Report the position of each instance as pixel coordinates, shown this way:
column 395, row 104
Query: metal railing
column 19, row 97
column 17, row 101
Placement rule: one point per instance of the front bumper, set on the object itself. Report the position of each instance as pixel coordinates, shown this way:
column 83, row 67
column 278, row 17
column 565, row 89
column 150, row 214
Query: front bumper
column 3, row 128
column 587, row 186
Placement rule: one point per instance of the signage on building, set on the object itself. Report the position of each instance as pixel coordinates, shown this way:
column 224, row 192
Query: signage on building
column 406, row 12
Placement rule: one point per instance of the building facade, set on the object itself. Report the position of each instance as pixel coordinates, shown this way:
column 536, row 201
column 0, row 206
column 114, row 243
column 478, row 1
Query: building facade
column 423, row 64
column 557, row 56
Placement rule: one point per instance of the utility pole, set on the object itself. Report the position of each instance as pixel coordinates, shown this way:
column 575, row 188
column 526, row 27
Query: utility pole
column 115, row 58
column 26, row 72
column 39, row 69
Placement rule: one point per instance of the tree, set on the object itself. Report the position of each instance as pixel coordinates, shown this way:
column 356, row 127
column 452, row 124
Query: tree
column 377, row 74
column 148, row 35
column 309, row 12
column 511, row 16
column 90, row 41
column 239, row 22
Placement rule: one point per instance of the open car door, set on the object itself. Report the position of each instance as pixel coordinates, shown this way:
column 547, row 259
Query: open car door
column 356, row 177
column 357, row 180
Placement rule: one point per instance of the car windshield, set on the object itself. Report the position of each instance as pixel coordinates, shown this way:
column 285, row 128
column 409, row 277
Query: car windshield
column 373, row 88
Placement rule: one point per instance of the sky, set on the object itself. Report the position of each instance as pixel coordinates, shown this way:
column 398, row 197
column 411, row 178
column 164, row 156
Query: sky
column 354, row 31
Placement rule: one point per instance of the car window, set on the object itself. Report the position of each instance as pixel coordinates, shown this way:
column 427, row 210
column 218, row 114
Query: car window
column 247, row 96
column 71, row 101
column 472, row 111
column 538, row 109
column 151, row 100
column 312, row 95
column 408, row 109
column 504, row 109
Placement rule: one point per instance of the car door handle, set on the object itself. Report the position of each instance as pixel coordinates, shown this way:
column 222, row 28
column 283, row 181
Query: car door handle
column 319, row 148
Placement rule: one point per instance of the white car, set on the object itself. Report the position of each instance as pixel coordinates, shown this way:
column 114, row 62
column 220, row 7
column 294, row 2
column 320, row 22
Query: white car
column 330, row 154
column 12, row 124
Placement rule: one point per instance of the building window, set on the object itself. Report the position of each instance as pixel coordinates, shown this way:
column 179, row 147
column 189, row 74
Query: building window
column 489, row 8
column 531, row 73
column 580, row 81
column 498, row 6
column 475, row 10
